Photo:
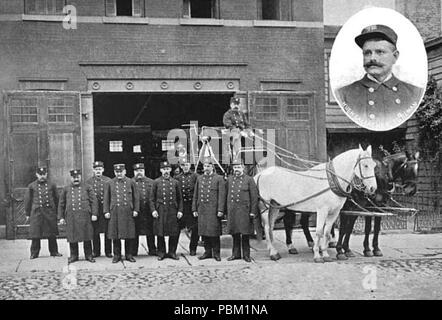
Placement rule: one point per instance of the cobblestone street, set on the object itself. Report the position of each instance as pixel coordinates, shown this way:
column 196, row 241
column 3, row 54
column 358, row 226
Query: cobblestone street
column 410, row 269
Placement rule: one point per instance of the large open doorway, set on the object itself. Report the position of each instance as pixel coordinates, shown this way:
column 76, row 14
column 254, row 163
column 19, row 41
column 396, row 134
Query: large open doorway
column 131, row 128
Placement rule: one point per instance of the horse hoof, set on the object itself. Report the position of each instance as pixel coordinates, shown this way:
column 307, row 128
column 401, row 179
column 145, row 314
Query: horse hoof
column 310, row 244
column 341, row 256
column 327, row 259
column 275, row 257
column 377, row 253
column 332, row 244
column 318, row 260
column 368, row 253
column 349, row 254
column 293, row 251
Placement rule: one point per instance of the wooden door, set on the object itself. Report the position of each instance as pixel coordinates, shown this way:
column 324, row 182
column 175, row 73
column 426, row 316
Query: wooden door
column 43, row 130
column 291, row 115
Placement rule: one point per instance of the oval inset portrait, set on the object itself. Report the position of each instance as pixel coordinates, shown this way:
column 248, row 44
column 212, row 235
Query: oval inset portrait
column 378, row 69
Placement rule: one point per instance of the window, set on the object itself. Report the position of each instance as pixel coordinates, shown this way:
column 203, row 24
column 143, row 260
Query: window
column 298, row 108
column 24, row 110
column 116, row 146
column 266, row 108
column 44, row 6
column 60, row 110
column 167, row 145
column 208, row 9
column 328, row 92
column 269, row 9
column 131, row 8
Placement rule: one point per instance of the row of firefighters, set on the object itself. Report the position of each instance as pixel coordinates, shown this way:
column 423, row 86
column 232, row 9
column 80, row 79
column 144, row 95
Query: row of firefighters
column 125, row 208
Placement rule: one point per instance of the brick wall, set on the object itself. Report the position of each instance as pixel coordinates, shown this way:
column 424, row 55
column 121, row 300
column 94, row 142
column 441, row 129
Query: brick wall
column 426, row 15
column 427, row 200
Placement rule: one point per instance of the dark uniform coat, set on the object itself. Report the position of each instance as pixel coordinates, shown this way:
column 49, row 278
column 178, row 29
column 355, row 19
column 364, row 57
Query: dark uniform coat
column 379, row 105
column 166, row 198
column 242, row 199
column 187, row 184
column 144, row 221
column 98, row 188
column 235, row 119
column 121, row 198
column 209, row 198
column 77, row 205
column 41, row 201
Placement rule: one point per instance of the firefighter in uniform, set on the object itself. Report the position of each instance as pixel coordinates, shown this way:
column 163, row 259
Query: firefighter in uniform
column 144, row 221
column 187, row 180
column 242, row 207
column 40, row 202
column 235, row 120
column 121, row 205
column 100, row 226
column 379, row 100
column 77, row 208
column 208, row 205
column 166, row 204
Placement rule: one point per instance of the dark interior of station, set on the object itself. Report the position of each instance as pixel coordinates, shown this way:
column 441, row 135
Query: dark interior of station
column 131, row 128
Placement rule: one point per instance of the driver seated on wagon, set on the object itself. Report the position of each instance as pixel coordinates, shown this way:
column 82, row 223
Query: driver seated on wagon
column 235, row 120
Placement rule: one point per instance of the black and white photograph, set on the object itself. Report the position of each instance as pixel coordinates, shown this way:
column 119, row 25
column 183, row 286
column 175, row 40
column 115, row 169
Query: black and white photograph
column 220, row 158
column 381, row 85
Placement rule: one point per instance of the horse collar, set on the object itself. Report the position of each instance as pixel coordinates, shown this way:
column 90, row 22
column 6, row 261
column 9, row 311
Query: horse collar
column 335, row 186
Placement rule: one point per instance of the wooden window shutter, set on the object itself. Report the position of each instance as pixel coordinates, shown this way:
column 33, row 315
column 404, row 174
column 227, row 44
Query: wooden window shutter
column 137, row 8
column 186, row 8
column 30, row 7
column 59, row 4
column 111, row 8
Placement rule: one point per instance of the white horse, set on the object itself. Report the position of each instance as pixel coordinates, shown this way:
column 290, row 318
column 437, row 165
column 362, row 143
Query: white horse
column 310, row 191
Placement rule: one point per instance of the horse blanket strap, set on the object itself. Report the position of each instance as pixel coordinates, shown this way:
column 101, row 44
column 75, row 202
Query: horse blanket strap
column 335, row 186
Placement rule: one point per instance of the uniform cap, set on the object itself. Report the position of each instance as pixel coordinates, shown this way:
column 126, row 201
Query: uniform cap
column 119, row 167
column 75, row 173
column 207, row 160
column 98, row 164
column 236, row 162
column 138, row 166
column 376, row 31
column 165, row 164
column 234, row 100
column 42, row 170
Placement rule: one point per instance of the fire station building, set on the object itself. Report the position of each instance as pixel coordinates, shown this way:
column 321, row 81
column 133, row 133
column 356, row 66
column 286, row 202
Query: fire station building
column 107, row 79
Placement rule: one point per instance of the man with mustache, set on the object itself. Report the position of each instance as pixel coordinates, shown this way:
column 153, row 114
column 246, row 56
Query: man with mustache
column 144, row 221
column 187, row 180
column 77, row 208
column 121, row 205
column 97, row 183
column 242, row 208
column 379, row 101
column 208, row 205
column 40, row 202
column 166, row 204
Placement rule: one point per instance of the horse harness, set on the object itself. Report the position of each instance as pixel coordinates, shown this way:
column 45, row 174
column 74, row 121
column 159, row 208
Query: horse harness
column 333, row 182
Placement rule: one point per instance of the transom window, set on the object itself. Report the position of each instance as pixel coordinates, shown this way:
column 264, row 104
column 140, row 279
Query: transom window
column 44, row 6
column 298, row 108
column 269, row 9
column 60, row 110
column 131, row 8
column 24, row 110
column 266, row 108
column 201, row 9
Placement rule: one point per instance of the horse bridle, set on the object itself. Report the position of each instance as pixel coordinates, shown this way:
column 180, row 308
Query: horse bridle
column 358, row 163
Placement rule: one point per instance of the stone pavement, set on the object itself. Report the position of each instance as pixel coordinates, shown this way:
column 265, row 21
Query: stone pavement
column 410, row 268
